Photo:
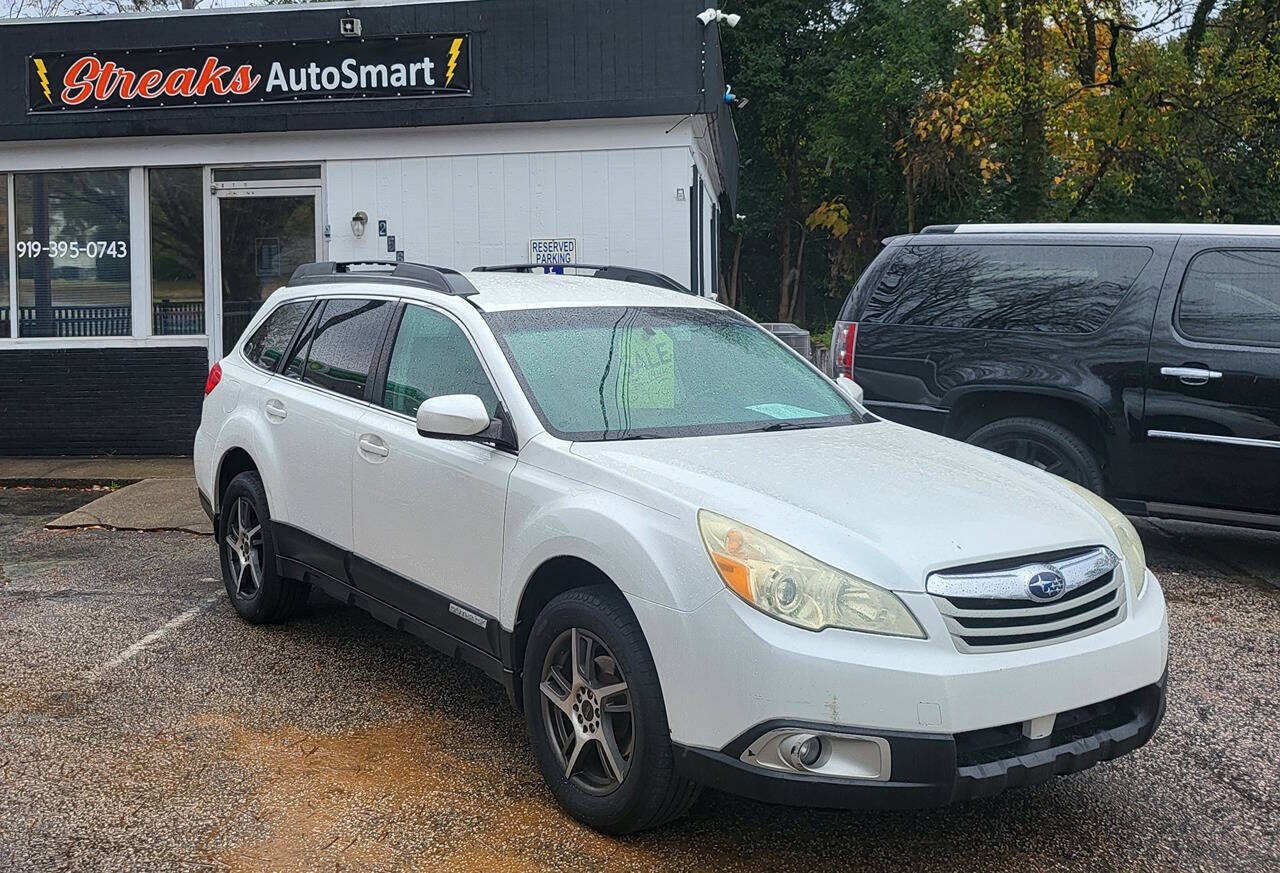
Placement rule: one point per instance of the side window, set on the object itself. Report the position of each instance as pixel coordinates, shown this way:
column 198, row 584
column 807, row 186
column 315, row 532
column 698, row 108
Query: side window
column 298, row 360
column 1035, row 288
column 1232, row 297
column 347, row 337
column 269, row 341
column 432, row 357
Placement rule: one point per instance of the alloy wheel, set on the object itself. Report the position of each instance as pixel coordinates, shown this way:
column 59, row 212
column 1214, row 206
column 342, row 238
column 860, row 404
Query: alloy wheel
column 587, row 711
column 244, row 548
column 1038, row 454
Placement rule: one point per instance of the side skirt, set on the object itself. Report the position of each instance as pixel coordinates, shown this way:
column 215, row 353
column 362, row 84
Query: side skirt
column 453, row 628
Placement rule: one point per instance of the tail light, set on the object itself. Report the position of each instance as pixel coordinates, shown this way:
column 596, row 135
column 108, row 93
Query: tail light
column 846, row 342
column 215, row 376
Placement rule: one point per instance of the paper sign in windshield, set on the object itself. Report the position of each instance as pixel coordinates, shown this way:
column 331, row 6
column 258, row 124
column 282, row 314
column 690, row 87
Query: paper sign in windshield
column 784, row 410
column 648, row 377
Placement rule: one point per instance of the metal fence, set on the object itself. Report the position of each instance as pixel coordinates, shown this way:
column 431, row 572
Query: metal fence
column 93, row 320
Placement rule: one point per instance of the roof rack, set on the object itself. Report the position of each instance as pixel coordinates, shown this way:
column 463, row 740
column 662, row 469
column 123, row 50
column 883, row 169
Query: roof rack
column 441, row 279
column 602, row 271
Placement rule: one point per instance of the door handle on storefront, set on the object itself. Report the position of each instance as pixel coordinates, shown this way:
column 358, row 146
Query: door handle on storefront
column 275, row 410
column 1191, row 375
column 372, row 445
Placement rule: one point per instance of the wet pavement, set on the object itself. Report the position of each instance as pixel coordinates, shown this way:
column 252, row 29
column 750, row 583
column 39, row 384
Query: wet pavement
column 144, row 726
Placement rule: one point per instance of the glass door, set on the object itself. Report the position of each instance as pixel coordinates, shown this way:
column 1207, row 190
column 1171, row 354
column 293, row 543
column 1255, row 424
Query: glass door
column 263, row 236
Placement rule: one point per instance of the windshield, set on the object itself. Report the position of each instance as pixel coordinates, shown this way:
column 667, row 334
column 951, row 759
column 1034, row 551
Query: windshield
column 622, row 372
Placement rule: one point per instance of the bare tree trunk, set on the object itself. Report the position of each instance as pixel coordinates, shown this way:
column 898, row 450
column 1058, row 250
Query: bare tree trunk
column 797, row 312
column 1032, row 146
column 731, row 293
column 784, row 263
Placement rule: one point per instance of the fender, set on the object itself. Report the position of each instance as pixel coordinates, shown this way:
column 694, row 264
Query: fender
column 646, row 548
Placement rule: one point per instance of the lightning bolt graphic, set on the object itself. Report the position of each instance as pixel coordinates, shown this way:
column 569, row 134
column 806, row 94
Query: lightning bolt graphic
column 44, row 78
column 453, row 60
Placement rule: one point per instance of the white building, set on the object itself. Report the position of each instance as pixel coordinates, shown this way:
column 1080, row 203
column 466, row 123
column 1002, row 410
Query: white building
column 160, row 175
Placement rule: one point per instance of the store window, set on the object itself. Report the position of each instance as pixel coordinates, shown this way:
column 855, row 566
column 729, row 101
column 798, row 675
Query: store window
column 72, row 245
column 176, row 201
column 5, row 320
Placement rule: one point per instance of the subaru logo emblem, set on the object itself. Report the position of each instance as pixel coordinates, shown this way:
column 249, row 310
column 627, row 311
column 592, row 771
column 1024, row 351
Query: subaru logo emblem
column 1046, row 585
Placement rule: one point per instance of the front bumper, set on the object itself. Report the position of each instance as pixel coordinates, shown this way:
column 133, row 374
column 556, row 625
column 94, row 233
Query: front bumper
column 937, row 769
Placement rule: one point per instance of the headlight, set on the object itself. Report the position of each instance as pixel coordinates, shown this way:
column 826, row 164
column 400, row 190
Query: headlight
column 1131, row 550
column 789, row 585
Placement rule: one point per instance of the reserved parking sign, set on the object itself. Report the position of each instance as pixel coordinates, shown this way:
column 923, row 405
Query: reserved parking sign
column 553, row 252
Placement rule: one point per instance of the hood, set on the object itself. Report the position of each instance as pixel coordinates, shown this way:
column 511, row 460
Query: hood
column 888, row 503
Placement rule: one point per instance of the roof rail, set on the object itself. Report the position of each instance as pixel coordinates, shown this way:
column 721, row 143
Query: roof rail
column 441, row 279
column 939, row 228
column 602, row 271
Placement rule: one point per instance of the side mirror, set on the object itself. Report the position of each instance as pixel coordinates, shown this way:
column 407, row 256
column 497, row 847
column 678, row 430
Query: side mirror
column 452, row 415
column 850, row 389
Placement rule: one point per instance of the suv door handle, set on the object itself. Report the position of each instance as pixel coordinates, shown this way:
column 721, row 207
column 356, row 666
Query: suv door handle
column 1191, row 375
column 372, row 445
column 275, row 410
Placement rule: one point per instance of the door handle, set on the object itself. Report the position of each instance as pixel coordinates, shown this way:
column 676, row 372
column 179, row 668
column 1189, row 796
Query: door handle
column 275, row 410
column 1191, row 375
column 372, row 445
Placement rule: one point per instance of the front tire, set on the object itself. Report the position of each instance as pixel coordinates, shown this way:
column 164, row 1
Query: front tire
column 596, row 718
column 246, row 548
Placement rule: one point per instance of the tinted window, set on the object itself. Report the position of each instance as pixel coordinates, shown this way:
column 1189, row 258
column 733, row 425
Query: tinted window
column 1040, row 288
column 346, row 340
column 298, row 360
column 1232, row 296
column 268, row 343
column 432, row 357
column 612, row 372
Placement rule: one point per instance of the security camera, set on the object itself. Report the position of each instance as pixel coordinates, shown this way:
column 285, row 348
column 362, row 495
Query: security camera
column 731, row 19
column 707, row 16
column 349, row 27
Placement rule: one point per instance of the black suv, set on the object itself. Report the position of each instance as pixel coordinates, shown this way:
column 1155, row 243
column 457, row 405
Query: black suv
column 1141, row 361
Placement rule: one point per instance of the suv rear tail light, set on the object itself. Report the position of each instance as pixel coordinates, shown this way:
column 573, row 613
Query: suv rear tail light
column 215, row 376
column 846, row 342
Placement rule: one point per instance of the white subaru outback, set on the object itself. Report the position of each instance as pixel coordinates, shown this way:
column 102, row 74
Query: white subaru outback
column 688, row 555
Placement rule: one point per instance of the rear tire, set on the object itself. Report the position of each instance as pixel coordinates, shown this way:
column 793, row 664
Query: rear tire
column 247, row 550
column 1043, row 444
column 609, row 708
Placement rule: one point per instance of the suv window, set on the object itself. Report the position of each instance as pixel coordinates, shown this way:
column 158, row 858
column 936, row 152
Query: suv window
column 269, row 341
column 1038, row 288
column 1232, row 296
column 298, row 360
column 347, row 337
column 432, row 357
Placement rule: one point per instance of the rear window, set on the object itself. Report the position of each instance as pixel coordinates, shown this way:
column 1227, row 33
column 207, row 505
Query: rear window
column 1034, row 288
column 348, row 335
column 1233, row 297
column 269, row 341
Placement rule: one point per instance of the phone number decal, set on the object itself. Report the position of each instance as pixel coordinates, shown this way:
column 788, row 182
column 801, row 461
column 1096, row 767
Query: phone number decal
column 116, row 248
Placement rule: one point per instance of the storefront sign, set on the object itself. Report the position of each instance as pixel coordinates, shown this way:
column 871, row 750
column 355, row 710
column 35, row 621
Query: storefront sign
column 553, row 252
column 408, row 66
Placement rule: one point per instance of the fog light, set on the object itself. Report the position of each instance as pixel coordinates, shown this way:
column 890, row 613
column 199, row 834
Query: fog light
column 849, row 756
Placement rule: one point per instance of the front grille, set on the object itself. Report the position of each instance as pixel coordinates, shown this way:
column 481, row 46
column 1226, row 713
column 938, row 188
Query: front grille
column 991, row 608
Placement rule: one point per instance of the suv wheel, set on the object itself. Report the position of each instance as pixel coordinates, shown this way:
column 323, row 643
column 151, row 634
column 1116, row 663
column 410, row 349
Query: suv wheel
column 1044, row 444
column 248, row 554
column 596, row 717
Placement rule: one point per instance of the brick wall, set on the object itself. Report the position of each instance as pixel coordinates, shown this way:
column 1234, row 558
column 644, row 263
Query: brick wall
column 100, row 401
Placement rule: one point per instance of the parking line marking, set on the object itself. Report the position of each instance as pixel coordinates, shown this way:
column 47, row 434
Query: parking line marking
column 160, row 633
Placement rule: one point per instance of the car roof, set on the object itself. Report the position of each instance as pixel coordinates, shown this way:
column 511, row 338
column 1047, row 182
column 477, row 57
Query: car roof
column 1153, row 229
column 498, row 292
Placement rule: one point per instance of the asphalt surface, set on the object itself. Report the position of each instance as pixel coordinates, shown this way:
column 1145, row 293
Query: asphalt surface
column 144, row 726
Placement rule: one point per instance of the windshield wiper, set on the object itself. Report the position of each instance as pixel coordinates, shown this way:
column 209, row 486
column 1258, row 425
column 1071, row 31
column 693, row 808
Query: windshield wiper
column 636, row 436
column 782, row 425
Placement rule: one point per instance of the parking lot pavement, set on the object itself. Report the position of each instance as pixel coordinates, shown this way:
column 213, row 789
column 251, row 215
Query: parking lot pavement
column 143, row 726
